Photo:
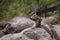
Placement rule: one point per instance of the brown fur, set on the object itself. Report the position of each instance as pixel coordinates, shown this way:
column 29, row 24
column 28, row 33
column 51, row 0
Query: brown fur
column 35, row 18
column 38, row 23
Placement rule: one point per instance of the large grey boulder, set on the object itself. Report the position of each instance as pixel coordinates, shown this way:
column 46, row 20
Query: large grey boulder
column 17, row 24
column 31, row 33
column 57, row 29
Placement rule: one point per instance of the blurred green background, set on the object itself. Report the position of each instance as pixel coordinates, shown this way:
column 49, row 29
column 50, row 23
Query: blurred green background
column 12, row 8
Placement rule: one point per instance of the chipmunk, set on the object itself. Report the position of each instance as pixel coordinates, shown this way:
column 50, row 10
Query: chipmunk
column 33, row 16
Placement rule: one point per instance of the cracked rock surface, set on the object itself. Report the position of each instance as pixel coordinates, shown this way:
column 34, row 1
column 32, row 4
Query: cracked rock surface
column 30, row 34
